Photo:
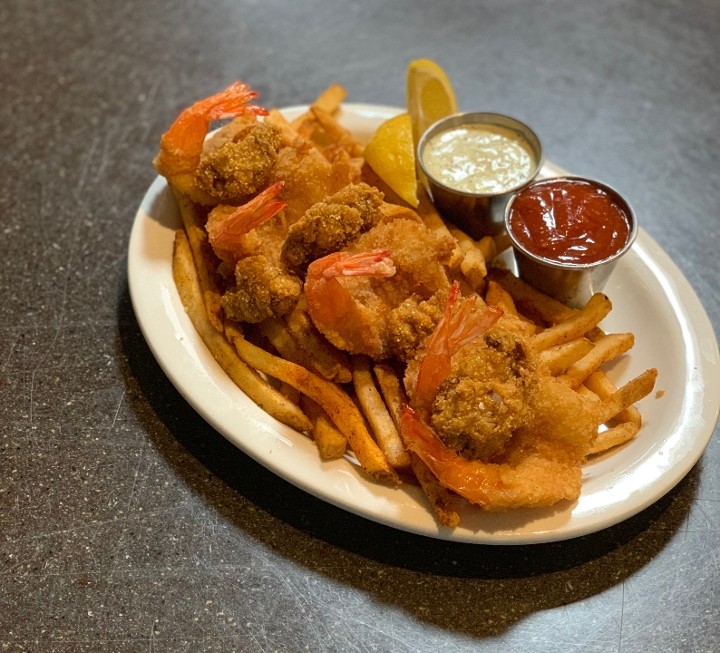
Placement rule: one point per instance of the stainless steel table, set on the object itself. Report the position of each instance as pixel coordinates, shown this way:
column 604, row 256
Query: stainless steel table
column 126, row 522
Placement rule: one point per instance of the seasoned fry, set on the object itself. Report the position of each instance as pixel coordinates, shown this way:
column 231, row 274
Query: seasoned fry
column 376, row 412
column 560, row 357
column 392, row 391
column 331, row 443
column 202, row 255
column 606, row 348
column 613, row 437
column 603, row 387
column 339, row 407
column 246, row 378
column 629, row 394
column 328, row 101
column 337, row 134
column 329, row 361
column 432, row 219
column 472, row 264
column 442, row 501
column 278, row 335
column 496, row 295
column 575, row 326
column 530, row 301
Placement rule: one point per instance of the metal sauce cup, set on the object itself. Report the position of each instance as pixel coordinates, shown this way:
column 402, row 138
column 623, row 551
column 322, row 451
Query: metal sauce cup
column 478, row 214
column 571, row 283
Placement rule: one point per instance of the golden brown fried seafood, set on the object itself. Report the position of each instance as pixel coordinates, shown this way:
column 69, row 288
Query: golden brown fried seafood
column 486, row 396
column 241, row 167
column 331, row 224
column 262, row 289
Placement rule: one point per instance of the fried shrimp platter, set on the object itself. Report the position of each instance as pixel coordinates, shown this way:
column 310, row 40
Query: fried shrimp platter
column 376, row 328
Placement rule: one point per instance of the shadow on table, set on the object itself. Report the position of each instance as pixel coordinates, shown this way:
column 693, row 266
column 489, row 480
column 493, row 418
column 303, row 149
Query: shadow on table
column 424, row 576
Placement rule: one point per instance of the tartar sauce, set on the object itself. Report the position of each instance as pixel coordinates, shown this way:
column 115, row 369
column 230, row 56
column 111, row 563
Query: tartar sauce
column 481, row 158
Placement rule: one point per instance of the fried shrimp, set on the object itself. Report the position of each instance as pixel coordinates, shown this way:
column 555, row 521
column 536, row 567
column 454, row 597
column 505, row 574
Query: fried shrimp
column 329, row 225
column 351, row 296
column 485, row 398
column 181, row 146
column 309, row 177
column 242, row 167
column 262, row 290
column 486, row 423
column 531, row 478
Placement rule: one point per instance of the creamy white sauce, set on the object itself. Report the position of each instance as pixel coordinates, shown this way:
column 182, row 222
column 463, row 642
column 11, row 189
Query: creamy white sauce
column 479, row 158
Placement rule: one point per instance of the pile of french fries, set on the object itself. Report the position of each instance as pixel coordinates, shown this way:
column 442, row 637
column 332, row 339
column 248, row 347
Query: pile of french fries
column 351, row 405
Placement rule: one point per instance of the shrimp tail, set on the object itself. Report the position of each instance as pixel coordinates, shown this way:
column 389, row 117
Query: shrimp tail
column 459, row 325
column 227, row 233
column 181, row 145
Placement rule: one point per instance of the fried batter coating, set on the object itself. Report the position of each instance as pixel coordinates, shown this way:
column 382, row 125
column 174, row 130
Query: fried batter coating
column 486, row 396
column 242, row 166
column 262, row 290
column 352, row 311
column 331, row 224
column 410, row 323
column 309, row 177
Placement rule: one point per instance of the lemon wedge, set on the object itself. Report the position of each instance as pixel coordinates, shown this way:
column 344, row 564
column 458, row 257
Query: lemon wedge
column 391, row 154
column 430, row 95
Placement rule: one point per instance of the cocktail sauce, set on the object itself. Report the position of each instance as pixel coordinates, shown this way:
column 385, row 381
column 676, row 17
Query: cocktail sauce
column 569, row 221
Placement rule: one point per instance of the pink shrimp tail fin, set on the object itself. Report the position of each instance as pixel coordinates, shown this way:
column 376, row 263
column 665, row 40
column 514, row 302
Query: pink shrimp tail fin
column 421, row 439
column 247, row 217
column 233, row 101
column 375, row 263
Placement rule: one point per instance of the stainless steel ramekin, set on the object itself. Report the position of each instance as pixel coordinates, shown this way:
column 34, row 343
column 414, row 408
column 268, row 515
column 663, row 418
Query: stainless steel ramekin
column 478, row 214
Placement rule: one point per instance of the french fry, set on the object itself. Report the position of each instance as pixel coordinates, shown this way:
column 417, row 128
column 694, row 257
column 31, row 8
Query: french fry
column 603, row 387
column 605, row 348
column 331, row 443
column 328, row 101
column 442, row 501
column 628, row 394
column 244, row 376
column 329, row 361
column 559, row 358
column 575, row 326
column 472, row 263
column 433, row 221
column 203, row 256
column 392, row 391
column 530, row 301
column 335, row 132
column 339, row 407
column 377, row 415
column 278, row 335
column 496, row 295
column 613, row 437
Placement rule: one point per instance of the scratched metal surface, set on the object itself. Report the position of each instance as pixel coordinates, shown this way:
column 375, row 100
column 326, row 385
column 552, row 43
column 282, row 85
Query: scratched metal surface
column 126, row 523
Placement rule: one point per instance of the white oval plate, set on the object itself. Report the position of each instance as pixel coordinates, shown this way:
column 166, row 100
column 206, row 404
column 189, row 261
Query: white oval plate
column 651, row 298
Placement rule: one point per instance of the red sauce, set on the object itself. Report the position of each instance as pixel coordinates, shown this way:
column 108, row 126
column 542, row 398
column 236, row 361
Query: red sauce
column 569, row 221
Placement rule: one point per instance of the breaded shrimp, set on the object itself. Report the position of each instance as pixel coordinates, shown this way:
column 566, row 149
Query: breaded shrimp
column 331, row 224
column 309, row 177
column 262, row 290
column 182, row 145
column 350, row 299
column 241, row 167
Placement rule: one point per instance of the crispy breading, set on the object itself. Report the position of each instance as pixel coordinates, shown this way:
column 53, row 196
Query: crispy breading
column 262, row 290
column 331, row 224
column 241, row 167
